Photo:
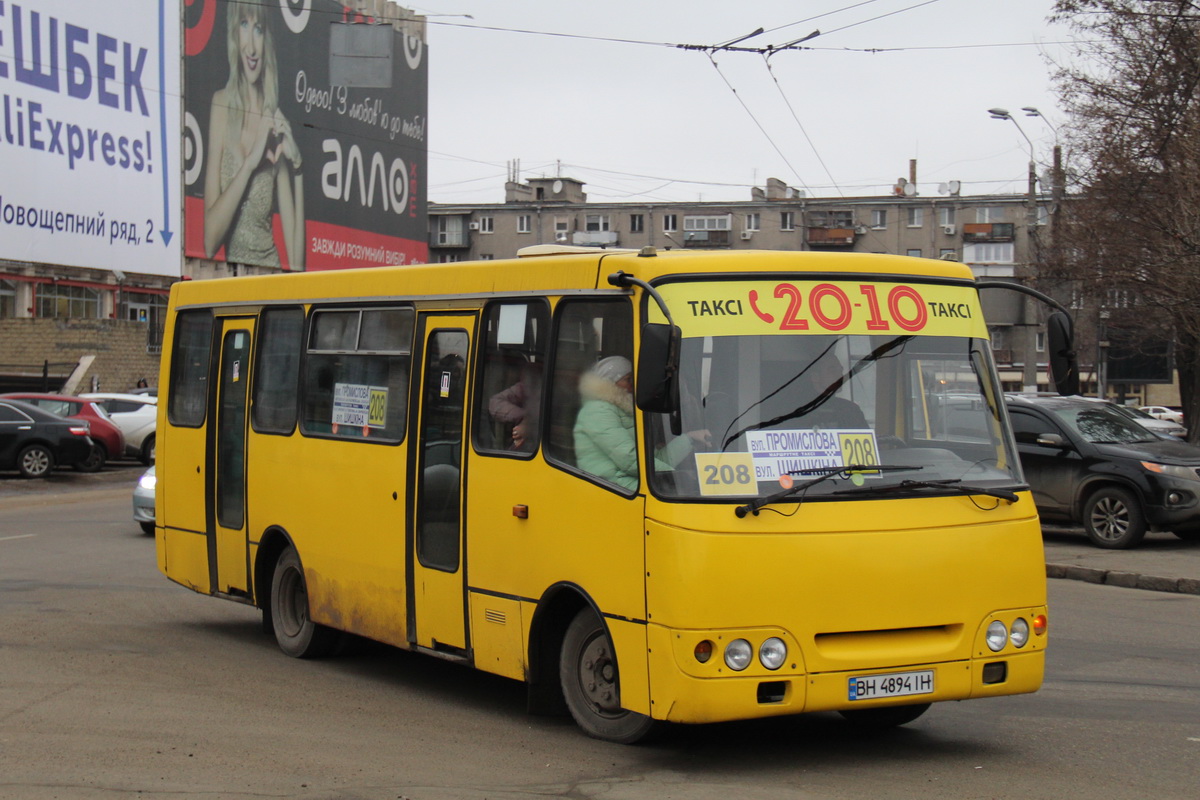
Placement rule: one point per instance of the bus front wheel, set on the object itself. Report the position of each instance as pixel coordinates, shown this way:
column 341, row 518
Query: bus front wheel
column 297, row 634
column 591, row 684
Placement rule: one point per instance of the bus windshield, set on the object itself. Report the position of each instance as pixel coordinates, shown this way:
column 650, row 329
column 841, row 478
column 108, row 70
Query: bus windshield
column 757, row 408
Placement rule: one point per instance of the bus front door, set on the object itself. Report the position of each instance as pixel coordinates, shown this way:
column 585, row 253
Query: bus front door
column 437, row 581
column 228, row 546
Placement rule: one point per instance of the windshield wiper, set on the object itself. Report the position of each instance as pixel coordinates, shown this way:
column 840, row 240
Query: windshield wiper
column 823, row 474
column 953, row 484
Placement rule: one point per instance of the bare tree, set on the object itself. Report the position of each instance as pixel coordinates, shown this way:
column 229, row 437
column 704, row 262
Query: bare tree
column 1129, row 240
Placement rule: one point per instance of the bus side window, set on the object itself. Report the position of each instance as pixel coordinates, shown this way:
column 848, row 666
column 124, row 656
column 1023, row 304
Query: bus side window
column 508, row 409
column 587, row 331
column 277, row 374
column 189, row 368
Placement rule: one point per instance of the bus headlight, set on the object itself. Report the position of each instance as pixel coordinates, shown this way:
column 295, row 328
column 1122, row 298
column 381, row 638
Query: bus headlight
column 997, row 636
column 738, row 654
column 772, row 653
column 1020, row 632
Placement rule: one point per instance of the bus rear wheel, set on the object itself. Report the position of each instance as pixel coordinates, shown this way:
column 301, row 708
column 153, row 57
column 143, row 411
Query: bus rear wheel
column 296, row 633
column 591, row 683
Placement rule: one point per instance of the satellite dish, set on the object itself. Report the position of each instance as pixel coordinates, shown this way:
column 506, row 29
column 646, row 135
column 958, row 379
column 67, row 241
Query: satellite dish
column 910, row 189
column 943, row 188
column 557, row 187
column 955, row 186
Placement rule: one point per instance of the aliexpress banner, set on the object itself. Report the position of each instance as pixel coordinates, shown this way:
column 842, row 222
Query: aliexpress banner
column 283, row 168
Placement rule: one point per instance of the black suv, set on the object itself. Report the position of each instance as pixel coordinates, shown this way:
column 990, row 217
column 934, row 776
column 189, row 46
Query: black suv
column 1089, row 464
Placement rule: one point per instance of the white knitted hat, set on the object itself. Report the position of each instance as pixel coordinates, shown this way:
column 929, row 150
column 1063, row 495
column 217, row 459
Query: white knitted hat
column 613, row 368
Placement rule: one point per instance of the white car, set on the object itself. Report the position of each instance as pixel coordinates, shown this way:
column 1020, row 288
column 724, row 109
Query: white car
column 143, row 502
column 1162, row 412
column 137, row 417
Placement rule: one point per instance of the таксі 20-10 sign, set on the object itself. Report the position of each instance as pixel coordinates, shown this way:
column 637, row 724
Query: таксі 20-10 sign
column 854, row 307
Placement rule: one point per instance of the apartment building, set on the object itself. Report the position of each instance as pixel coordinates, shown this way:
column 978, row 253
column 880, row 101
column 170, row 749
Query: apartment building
column 997, row 235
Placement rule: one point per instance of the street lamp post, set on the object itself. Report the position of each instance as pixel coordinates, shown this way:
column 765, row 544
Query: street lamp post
column 1029, row 375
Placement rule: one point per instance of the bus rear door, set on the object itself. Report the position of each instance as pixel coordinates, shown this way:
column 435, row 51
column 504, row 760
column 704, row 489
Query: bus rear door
column 228, row 554
column 437, row 580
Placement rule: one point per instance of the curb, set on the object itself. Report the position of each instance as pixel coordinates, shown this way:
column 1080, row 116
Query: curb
column 1126, row 580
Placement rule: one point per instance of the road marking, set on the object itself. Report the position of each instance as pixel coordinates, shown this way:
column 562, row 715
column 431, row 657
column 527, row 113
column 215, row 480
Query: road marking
column 22, row 536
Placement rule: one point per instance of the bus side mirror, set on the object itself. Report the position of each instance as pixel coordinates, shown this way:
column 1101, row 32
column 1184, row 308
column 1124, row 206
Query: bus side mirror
column 1063, row 368
column 658, row 370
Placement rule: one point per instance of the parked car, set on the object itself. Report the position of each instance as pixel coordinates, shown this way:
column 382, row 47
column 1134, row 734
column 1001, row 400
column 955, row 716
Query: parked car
column 136, row 415
column 1089, row 464
column 1162, row 412
column 34, row 441
column 143, row 501
column 1161, row 426
column 107, row 439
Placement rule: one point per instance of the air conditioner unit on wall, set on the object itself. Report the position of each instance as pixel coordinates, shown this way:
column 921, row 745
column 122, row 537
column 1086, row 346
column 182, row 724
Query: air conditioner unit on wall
column 561, row 236
column 949, row 230
column 746, row 235
column 474, row 226
column 861, row 230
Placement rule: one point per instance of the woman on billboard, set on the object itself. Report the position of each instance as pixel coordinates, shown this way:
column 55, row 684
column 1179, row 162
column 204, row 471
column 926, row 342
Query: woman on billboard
column 253, row 161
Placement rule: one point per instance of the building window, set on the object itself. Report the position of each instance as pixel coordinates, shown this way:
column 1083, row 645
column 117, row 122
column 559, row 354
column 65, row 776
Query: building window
column 1043, row 215
column 787, row 220
column 450, row 231
column 486, row 256
column 8, row 299
column 915, row 252
column 68, row 302
column 595, row 222
column 831, row 219
column 448, row 258
column 721, row 222
column 670, row 223
column 487, row 224
column 989, row 214
column 637, row 223
column 916, row 216
column 524, row 223
column 988, row 253
column 948, row 254
column 1039, row 342
column 753, row 222
column 879, row 219
column 945, row 215
column 562, row 229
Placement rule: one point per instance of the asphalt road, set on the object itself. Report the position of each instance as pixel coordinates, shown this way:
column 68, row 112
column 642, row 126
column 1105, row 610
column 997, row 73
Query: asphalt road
column 116, row 683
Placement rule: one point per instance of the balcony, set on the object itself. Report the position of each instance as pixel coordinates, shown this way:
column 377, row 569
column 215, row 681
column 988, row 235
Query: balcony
column 594, row 238
column 830, row 237
column 706, row 238
column 450, row 239
column 988, row 232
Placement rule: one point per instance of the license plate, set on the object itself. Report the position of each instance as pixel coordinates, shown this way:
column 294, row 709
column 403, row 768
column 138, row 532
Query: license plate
column 894, row 684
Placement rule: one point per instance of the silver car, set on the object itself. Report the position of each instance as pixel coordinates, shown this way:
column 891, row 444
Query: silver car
column 143, row 501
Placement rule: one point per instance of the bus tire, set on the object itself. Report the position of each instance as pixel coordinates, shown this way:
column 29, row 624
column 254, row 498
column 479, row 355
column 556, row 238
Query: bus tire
column 879, row 719
column 591, row 683
column 296, row 633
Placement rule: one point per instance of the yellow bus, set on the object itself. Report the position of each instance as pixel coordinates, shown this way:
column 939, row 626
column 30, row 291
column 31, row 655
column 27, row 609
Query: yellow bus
column 653, row 485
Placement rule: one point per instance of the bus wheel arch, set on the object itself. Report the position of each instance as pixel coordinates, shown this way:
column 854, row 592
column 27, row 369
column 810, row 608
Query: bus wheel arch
column 557, row 607
column 295, row 631
column 270, row 546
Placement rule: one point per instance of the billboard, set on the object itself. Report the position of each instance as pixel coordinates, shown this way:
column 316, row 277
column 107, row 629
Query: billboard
column 89, row 134
column 284, row 168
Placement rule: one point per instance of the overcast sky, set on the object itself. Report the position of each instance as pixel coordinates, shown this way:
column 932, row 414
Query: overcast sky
column 590, row 86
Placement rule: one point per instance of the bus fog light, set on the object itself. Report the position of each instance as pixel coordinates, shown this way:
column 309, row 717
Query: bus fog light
column 997, row 636
column 772, row 653
column 703, row 651
column 738, row 654
column 1020, row 632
